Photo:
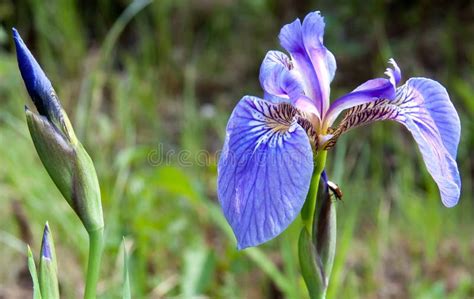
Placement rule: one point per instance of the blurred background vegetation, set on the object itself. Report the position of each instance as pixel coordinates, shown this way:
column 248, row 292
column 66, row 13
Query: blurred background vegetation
column 141, row 80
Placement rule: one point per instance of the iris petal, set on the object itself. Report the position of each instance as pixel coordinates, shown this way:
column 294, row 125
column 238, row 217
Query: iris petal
column 424, row 108
column 276, row 76
column 434, row 97
column 315, row 64
column 323, row 61
column 434, row 123
column 283, row 85
column 264, row 171
column 372, row 90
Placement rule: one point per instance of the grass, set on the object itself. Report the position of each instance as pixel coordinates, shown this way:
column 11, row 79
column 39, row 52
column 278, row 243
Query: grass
column 142, row 79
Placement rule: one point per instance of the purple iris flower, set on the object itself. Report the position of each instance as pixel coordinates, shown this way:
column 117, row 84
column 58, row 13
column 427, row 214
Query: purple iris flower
column 265, row 169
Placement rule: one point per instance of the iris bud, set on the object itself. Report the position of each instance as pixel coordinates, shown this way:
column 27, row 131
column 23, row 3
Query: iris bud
column 63, row 156
column 324, row 230
column 48, row 269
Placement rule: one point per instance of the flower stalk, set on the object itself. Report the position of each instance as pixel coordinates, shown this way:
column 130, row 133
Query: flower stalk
column 308, row 210
column 96, row 244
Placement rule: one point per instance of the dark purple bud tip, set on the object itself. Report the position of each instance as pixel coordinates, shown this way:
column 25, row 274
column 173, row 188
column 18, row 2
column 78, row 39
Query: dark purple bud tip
column 324, row 179
column 38, row 85
column 45, row 246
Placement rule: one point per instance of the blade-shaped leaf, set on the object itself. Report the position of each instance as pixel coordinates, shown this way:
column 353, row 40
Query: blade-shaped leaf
column 126, row 293
column 199, row 266
column 34, row 275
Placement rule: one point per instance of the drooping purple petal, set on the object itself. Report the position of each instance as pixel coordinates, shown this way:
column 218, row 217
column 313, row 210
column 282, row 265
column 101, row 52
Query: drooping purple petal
column 429, row 115
column 315, row 64
column 264, row 171
column 372, row 90
column 435, row 99
column 424, row 107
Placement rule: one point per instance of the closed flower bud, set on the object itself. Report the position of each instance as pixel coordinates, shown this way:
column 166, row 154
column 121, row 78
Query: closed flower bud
column 63, row 156
column 325, row 227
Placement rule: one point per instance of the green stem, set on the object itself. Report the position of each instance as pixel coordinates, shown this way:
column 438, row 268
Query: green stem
column 96, row 239
column 307, row 213
column 311, row 263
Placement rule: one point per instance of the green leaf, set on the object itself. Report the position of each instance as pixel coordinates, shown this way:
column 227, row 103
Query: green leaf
column 126, row 293
column 254, row 253
column 199, row 267
column 34, row 275
column 267, row 266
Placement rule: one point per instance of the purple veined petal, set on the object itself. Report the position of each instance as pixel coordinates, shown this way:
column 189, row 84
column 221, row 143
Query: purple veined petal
column 264, row 171
column 428, row 113
column 331, row 65
column 424, row 108
column 442, row 167
column 372, row 90
column 394, row 73
column 277, row 78
column 310, row 58
column 306, row 105
column 322, row 59
column 275, row 99
column 434, row 97
column 281, row 84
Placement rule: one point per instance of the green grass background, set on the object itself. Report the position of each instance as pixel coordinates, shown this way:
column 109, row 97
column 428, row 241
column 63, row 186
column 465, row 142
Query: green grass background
column 144, row 80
